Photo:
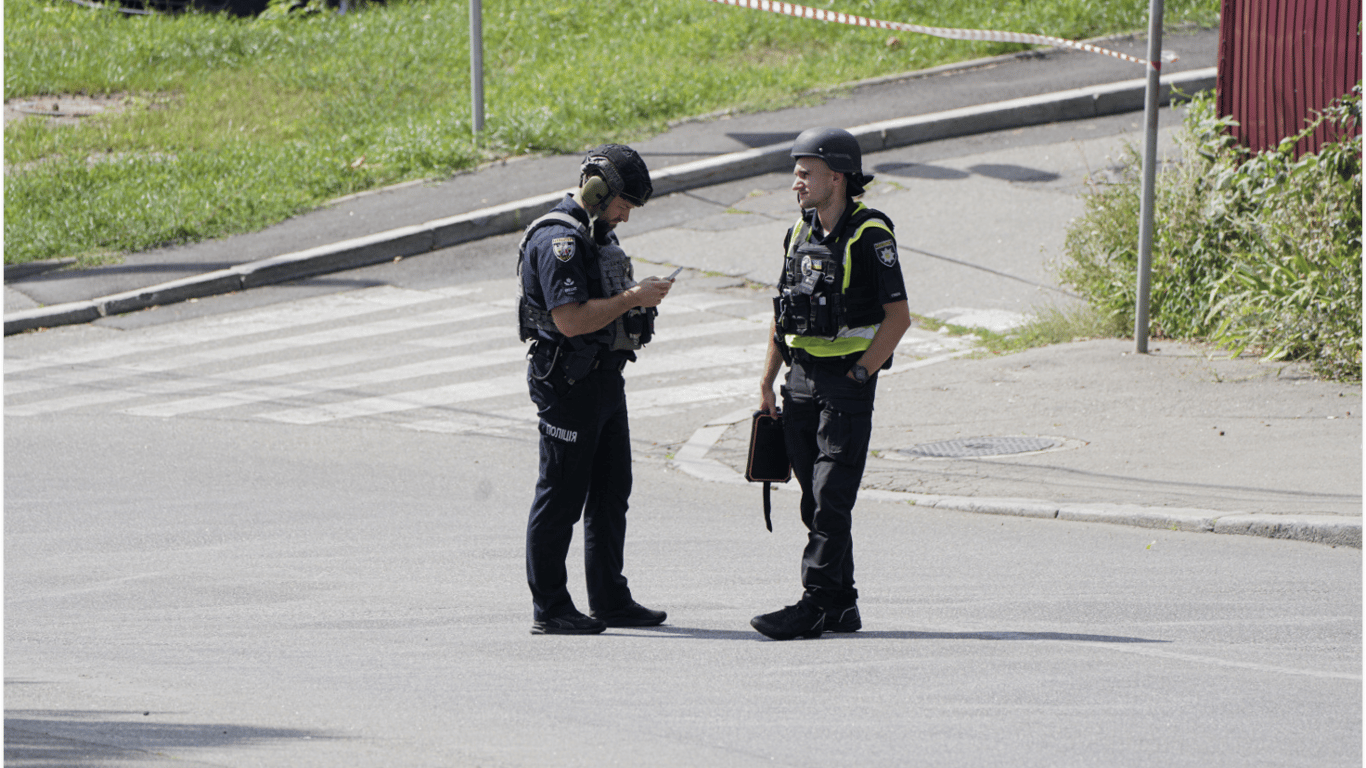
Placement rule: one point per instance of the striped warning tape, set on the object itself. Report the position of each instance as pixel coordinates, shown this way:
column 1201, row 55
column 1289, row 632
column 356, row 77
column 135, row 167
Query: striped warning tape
column 817, row 14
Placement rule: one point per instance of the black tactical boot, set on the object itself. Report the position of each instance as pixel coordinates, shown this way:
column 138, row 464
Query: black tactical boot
column 800, row 620
column 843, row 619
column 572, row 623
column 632, row 615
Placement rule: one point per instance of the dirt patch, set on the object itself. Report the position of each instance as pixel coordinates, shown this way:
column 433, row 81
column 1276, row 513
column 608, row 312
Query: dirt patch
column 63, row 109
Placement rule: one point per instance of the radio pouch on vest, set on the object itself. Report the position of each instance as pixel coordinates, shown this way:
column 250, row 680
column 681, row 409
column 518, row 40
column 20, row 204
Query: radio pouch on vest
column 767, row 457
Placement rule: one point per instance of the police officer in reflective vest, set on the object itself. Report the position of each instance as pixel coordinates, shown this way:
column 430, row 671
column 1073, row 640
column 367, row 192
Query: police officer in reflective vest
column 585, row 317
column 840, row 311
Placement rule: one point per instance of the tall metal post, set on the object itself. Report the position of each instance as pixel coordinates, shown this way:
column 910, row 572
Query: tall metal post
column 477, row 63
column 1145, row 211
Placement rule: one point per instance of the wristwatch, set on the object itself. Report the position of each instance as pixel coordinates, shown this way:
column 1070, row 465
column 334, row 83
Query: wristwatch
column 860, row 373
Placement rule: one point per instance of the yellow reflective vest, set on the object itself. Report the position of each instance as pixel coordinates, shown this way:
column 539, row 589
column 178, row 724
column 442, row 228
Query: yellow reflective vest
column 849, row 340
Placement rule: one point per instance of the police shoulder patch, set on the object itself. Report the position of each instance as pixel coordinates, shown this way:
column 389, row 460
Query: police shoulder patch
column 563, row 248
column 886, row 252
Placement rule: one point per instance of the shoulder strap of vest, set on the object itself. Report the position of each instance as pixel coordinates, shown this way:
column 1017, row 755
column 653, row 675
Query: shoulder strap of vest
column 798, row 234
column 860, row 220
column 530, row 317
column 554, row 217
column 862, row 213
column 860, row 216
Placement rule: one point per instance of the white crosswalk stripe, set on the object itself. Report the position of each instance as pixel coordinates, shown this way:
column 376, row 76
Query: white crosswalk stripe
column 437, row 367
column 93, row 376
column 337, row 307
column 439, row 361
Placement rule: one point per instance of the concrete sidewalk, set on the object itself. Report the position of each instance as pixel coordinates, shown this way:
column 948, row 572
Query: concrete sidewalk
column 1177, row 439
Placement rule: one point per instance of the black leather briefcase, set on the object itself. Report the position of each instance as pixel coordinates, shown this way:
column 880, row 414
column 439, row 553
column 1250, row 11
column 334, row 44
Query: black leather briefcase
column 767, row 462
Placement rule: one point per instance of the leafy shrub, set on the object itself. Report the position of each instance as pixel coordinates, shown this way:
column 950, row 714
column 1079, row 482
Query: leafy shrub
column 1254, row 252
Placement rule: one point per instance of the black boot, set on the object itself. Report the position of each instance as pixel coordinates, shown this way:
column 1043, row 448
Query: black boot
column 800, row 620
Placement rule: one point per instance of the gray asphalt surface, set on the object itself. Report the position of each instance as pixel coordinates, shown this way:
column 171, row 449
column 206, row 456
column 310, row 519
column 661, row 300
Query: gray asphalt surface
column 355, row 596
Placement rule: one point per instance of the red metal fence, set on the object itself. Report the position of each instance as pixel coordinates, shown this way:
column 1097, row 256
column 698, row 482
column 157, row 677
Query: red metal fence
column 1282, row 60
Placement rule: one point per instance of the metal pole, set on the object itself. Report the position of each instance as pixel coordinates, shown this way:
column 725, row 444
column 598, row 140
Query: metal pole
column 1145, row 211
column 477, row 63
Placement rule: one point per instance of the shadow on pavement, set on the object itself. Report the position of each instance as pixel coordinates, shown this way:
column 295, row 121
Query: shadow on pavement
column 1066, row 636
column 756, row 140
column 43, row 738
column 920, row 171
column 733, row 634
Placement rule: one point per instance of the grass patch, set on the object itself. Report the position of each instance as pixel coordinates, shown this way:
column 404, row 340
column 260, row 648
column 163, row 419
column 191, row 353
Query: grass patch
column 1056, row 325
column 240, row 123
column 1047, row 325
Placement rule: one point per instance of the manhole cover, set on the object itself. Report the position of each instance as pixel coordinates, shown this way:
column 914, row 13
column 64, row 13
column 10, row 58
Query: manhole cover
column 981, row 446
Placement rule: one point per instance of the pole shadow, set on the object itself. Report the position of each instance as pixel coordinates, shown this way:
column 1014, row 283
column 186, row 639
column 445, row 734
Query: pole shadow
column 756, row 140
column 1004, row 172
column 920, row 171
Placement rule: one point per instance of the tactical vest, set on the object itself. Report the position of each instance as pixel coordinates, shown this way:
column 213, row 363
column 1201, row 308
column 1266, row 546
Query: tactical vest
column 819, row 307
column 630, row 331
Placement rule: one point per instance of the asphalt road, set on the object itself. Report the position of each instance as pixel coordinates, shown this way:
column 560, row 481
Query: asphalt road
column 225, row 592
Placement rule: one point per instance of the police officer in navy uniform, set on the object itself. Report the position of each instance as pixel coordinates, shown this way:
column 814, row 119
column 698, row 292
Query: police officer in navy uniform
column 840, row 312
column 585, row 317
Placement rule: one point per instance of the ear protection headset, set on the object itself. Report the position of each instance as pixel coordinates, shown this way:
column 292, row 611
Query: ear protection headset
column 601, row 182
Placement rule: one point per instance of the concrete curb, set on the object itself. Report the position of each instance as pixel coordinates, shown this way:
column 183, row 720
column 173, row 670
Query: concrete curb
column 1076, row 104
column 1315, row 529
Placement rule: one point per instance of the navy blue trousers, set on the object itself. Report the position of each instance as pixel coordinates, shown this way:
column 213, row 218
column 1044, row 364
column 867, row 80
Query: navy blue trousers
column 827, row 425
column 585, row 470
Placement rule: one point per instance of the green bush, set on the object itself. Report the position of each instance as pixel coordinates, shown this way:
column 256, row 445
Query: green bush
column 1253, row 252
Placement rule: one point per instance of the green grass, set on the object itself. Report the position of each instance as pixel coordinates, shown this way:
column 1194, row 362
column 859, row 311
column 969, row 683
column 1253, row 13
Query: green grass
column 1044, row 326
column 234, row 124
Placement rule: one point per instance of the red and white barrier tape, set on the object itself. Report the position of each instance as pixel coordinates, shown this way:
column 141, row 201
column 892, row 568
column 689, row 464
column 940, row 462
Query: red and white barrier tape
column 817, row 14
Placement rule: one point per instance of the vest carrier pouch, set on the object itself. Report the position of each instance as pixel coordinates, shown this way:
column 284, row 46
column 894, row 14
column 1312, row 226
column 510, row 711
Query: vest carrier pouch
column 809, row 304
column 813, row 300
column 632, row 330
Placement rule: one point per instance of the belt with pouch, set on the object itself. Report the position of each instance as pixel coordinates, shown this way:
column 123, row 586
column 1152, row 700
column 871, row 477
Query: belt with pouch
column 557, row 353
column 837, row 361
column 841, row 363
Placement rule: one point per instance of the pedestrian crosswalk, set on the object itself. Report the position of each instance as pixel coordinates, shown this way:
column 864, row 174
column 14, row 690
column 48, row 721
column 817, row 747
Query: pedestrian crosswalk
column 446, row 361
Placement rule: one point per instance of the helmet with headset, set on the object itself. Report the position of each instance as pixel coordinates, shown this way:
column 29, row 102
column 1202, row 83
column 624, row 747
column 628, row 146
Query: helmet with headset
column 613, row 170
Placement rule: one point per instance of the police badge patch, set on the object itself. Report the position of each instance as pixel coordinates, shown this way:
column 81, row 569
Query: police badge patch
column 886, row 252
column 563, row 248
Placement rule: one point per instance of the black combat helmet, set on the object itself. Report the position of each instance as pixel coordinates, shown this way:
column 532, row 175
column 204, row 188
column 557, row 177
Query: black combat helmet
column 623, row 171
column 839, row 149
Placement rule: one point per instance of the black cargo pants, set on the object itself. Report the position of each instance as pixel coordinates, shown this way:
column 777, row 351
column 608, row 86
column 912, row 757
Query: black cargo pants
column 585, row 470
column 827, row 423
